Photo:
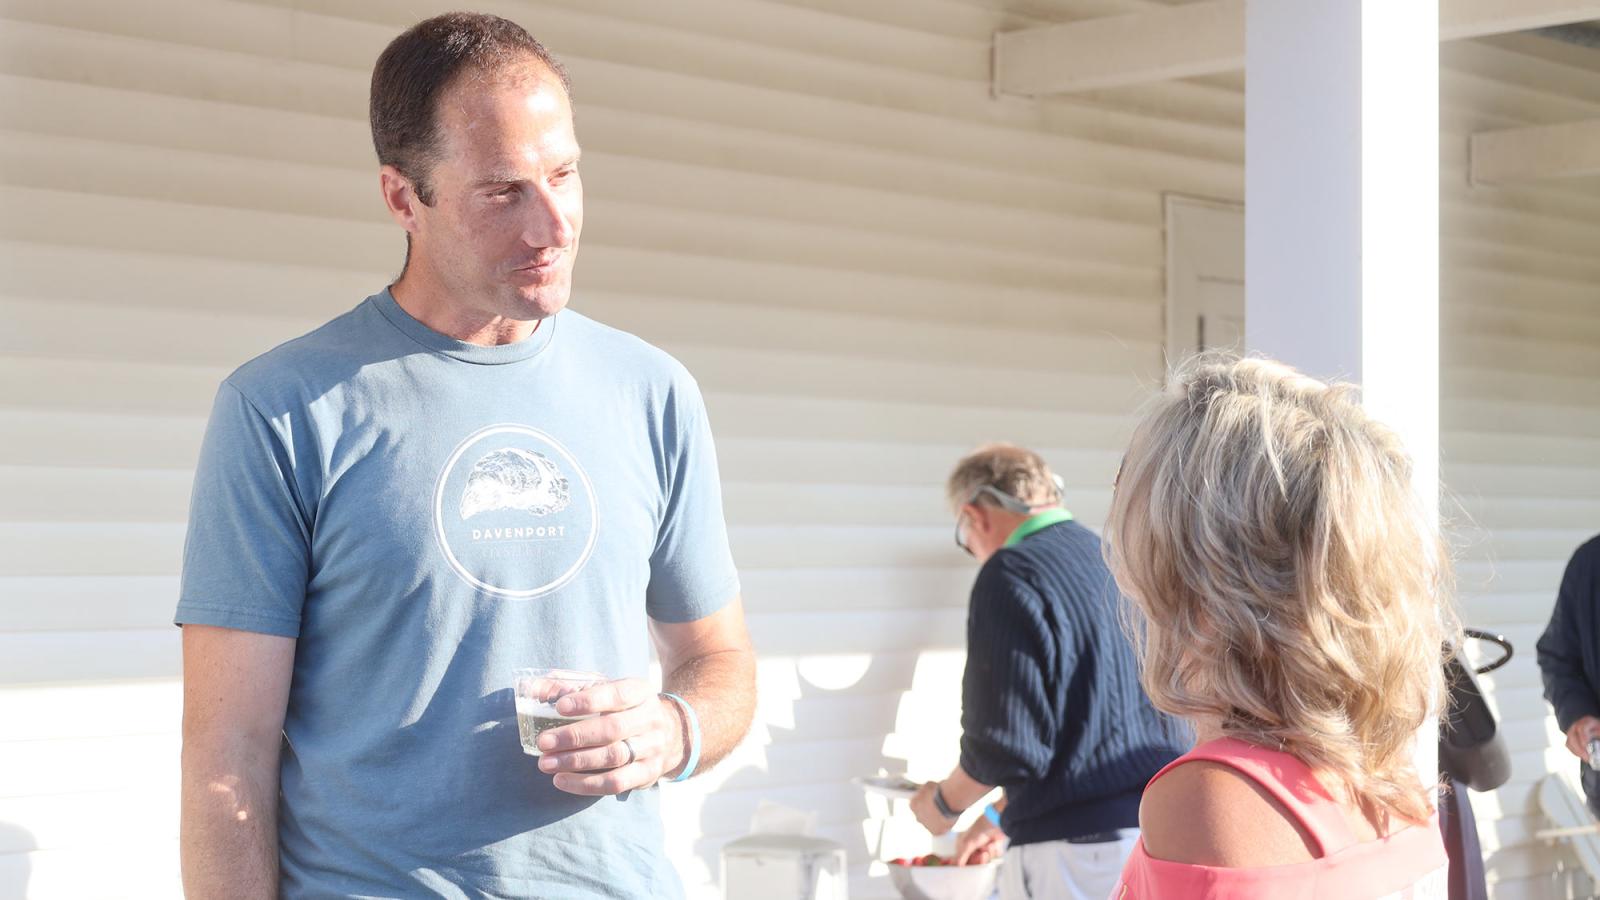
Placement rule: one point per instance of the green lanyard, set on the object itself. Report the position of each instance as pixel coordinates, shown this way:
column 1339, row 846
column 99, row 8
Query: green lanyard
column 1038, row 523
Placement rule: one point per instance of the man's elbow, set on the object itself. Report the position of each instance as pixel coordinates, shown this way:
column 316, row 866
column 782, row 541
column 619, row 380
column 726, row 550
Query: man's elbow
column 997, row 766
column 231, row 766
column 237, row 741
column 745, row 678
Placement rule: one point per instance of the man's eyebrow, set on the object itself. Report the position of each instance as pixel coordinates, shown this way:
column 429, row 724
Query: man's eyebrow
column 497, row 178
column 508, row 176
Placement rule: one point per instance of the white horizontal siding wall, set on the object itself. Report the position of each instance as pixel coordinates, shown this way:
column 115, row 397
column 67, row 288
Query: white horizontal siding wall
column 869, row 263
column 1521, row 410
column 826, row 217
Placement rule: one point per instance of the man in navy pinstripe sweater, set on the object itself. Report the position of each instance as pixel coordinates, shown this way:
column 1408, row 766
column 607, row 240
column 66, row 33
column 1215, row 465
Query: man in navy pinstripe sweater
column 1051, row 707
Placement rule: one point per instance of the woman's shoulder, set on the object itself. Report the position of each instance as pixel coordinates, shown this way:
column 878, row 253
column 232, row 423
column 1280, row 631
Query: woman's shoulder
column 1206, row 812
column 1232, row 819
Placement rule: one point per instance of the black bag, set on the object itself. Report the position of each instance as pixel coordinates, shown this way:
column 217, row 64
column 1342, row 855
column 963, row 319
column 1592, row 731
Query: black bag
column 1471, row 748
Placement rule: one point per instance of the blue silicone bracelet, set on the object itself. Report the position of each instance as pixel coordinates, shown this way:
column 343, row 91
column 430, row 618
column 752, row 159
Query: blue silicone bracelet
column 694, row 736
column 992, row 814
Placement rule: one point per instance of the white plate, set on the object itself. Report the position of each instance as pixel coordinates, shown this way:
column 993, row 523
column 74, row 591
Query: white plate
column 896, row 786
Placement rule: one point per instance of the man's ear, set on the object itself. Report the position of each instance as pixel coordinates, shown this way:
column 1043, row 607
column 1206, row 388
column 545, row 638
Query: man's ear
column 400, row 196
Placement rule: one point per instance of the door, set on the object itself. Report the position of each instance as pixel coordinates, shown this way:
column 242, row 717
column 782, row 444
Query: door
column 1205, row 277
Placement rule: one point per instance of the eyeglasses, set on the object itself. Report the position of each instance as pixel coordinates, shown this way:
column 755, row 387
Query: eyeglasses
column 961, row 539
column 1004, row 500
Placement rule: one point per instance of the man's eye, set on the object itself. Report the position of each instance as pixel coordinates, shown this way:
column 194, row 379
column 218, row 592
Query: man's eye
column 563, row 175
column 506, row 191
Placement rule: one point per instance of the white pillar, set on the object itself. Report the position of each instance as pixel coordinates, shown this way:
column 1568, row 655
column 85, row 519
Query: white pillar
column 1342, row 209
column 1342, row 202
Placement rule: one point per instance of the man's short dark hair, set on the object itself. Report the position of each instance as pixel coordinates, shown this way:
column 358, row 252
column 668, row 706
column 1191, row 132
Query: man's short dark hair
column 417, row 67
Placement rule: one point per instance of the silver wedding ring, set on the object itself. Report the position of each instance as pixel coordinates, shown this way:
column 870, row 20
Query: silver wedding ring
column 632, row 753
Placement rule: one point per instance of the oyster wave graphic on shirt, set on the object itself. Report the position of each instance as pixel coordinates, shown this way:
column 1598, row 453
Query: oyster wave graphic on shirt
column 515, row 479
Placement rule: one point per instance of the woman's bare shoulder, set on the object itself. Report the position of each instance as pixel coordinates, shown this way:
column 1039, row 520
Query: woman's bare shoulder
column 1209, row 814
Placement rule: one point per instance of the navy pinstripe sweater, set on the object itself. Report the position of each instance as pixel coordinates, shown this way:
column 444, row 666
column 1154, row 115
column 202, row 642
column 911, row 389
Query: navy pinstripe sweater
column 1051, row 707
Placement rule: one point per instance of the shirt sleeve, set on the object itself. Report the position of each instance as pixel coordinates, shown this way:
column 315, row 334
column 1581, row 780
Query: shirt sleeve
column 691, row 569
column 247, row 555
column 1560, row 648
column 1008, row 718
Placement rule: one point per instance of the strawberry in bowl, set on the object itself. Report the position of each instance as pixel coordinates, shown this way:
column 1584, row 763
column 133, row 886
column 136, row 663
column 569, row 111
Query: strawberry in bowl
column 934, row 877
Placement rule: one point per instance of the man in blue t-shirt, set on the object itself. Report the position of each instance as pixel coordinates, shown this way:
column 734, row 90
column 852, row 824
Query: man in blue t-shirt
column 1051, row 706
column 455, row 479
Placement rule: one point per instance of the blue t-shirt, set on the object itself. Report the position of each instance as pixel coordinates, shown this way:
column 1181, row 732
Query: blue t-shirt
column 425, row 515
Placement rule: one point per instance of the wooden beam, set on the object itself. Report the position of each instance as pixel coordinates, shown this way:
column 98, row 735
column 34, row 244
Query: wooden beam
column 1206, row 38
column 1461, row 19
column 1544, row 151
column 1137, row 48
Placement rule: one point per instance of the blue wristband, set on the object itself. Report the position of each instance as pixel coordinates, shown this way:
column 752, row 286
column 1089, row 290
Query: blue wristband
column 694, row 735
column 992, row 814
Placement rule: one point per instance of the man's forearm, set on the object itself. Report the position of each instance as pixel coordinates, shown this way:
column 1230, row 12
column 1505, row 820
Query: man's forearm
column 1573, row 701
column 228, row 834
column 1565, row 685
column 961, row 790
column 721, row 686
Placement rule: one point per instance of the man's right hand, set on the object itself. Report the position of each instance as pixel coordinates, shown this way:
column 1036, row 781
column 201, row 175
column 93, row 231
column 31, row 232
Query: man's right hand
column 1580, row 733
column 980, row 843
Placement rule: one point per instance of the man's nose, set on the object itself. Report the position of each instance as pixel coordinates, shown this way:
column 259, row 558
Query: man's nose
column 548, row 225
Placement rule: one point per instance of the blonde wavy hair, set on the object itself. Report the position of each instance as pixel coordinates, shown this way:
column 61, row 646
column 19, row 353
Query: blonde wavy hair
column 1287, row 583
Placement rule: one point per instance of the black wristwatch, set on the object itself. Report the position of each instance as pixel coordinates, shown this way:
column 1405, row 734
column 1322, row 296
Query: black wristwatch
column 940, row 804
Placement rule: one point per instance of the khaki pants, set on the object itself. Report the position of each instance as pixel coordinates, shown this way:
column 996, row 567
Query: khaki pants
column 1057, row 870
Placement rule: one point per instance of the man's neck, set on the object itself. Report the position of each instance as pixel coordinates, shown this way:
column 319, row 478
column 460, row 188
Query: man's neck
column 1017, row 520
column 1009, row 522
column 431, row 303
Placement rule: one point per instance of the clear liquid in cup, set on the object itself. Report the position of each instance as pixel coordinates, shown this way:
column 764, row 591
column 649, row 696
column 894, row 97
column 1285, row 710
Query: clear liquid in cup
column 535, row 718
column 537, row 691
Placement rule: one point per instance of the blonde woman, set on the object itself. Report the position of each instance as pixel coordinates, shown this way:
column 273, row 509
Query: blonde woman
column 1287, row 598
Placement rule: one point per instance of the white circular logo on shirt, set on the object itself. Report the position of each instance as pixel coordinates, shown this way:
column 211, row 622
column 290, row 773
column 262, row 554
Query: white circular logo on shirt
column 514, row 513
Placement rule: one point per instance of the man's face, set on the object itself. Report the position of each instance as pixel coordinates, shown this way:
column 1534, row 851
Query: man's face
column 977, row 530
column 502, row 233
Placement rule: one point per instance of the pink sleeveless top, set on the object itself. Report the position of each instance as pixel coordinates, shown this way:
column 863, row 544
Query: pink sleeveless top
column 1408, row 864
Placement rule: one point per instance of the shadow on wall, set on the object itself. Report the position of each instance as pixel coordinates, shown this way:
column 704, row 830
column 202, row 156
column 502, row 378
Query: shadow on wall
column 15, row 843
column 796, row 759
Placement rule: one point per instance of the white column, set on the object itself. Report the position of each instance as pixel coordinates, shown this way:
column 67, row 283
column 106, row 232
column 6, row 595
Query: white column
column 1342, row 202
column 1342, row 209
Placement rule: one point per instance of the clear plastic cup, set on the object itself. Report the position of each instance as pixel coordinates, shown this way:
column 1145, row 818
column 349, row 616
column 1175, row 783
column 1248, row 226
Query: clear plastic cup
column 537, row 691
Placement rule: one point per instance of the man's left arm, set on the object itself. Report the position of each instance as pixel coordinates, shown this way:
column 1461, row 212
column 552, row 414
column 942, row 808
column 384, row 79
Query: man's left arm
column 1008, row 718
column 712, row 666
column 699, row 632
column 638, row 737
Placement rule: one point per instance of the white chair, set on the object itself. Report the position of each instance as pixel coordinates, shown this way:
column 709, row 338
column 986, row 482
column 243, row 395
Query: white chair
column 1569, row 815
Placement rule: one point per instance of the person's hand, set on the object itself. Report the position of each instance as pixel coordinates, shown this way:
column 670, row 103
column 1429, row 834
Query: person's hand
column 590, row 758
column 1579, row 734
column 927, row 813
column 981, row 843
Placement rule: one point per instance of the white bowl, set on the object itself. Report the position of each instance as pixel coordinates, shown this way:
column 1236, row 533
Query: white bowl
column 944, row 882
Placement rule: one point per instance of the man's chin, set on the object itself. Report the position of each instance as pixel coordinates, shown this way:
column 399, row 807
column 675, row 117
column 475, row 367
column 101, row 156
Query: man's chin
column 540, row 303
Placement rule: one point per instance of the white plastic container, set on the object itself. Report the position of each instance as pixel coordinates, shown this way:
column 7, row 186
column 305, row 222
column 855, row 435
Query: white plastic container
column 784, row 867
